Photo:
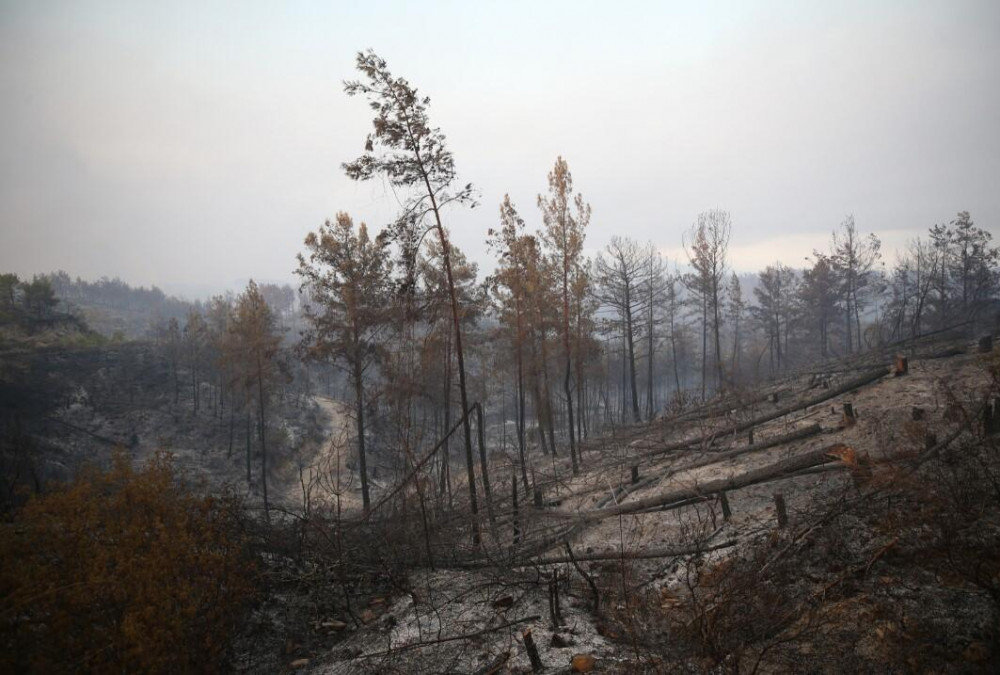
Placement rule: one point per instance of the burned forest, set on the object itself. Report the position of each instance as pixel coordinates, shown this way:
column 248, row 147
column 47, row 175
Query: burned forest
column 481, row 430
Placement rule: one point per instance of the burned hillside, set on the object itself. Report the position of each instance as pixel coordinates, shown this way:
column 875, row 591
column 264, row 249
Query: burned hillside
column 844, row 518
column 709, row 385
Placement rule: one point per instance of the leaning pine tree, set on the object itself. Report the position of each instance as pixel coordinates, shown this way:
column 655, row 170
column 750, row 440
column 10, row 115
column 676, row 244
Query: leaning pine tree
column 413, row 156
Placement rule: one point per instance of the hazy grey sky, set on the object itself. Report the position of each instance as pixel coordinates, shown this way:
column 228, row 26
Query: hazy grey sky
column 193, row 145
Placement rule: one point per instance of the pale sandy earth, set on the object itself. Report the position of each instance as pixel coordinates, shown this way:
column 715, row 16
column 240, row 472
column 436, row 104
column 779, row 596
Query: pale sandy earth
column 318, row 472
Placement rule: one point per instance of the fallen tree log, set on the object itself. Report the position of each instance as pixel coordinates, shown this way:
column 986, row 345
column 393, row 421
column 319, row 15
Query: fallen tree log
column 654, row 448
column 419, row 465
column 721, row 406
column 822, row 468
column 675, row 505
column 596, row 557
column 97, row 437
column 629, row 555
column 946, row 354
column 860, row 381
column 712, row 458
column 505, row 557
column 762, row 475
column 887, row 350
column 391, row 651
column 935, row 450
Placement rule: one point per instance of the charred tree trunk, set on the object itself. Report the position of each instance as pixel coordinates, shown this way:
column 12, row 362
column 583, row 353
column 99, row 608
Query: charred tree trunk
column 462, row 387
column 249, row 478
column 547, row 394
column 263, row 440
column 567, row 378
column 633, row 385
column 521, row 418
column 650, row 404
column 232, row 417
column 704, row 343
column 359, row 405
column 716, row 329
column 481, row 432
column 446, row 458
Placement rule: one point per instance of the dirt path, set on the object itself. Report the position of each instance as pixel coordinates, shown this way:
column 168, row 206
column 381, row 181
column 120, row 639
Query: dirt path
column 323, row 467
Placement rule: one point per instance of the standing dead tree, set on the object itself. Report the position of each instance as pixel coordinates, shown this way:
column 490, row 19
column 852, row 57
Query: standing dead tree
column 623, row 275
column 706, row 251
column 775, row 294
column 853, row 260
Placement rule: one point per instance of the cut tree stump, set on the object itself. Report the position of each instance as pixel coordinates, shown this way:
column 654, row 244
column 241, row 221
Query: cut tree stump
column 555, row 611
column 529, row 646
column 986, row 344
column 991, row 416
column 930, row 440
column 850, row 417
column 902, row 366
column 779, row 507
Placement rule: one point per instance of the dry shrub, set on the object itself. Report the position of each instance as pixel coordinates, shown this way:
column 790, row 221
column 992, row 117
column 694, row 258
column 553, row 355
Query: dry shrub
column 734, row 612
column 121, row 570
